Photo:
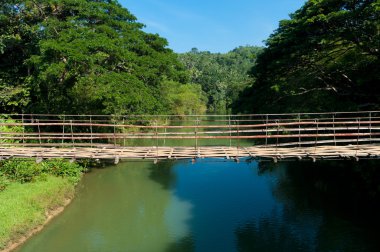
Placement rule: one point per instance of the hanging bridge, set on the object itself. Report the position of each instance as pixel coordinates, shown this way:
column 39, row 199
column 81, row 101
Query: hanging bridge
column 296, row 136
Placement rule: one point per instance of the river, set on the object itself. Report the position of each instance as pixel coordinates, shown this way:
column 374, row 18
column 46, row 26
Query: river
column 209, row 205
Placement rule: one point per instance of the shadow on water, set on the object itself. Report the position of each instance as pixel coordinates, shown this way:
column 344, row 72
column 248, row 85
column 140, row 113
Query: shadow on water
column 326, row 206
column 349, row 189
column 185, row 244
column 163, row 174
column 267, row 235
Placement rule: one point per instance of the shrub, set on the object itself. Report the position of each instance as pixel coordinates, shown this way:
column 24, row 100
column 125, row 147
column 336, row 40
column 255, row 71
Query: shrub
column 4, row 182
column 62, row 168
column 21, row 170
column 27, row 170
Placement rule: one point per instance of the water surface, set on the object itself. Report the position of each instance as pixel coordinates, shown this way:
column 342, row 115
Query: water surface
column 211, row 205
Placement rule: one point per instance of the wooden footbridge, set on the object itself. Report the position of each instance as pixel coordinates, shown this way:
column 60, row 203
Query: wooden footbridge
column 311, row 136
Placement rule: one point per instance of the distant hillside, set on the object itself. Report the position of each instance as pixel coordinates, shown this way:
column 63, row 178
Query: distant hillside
column 221, row 76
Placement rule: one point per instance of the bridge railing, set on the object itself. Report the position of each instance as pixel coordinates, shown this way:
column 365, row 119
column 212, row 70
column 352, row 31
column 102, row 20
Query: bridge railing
column 264, row 130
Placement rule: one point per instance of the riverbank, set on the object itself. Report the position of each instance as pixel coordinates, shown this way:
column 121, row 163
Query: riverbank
column 26, row 208
column 31, row 195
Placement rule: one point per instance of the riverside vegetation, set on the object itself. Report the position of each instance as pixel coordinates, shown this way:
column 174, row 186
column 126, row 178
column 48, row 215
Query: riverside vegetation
column 93, row 57
column 28, row 190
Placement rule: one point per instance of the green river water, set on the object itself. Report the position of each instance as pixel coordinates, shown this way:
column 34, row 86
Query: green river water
column 211, row 205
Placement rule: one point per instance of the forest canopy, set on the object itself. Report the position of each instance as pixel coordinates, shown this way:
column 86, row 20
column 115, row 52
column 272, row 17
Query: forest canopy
column 222, row 76
column 84, row 56
column 325, row 58
column 93, row 57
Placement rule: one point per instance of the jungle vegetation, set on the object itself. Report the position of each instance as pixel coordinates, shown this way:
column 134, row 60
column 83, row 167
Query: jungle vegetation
column 93, row 57
column 222, row 76
column 87, row 57
column 324, row 58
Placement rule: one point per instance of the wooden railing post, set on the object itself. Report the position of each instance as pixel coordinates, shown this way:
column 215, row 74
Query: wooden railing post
column 39, row 131
column 357, row 139
column 23, row 130
column 316, row 135
column 195, row 133
column 72, row 133
column 124, row 131
column 238, row 139
column 278, row 132
column 165, row 130
column 114, row 133
column 266, row 131
column 334, row 129
column 91, row 130
column 229, row 126
column 156, row 133
column 63, row 130
column 370, row 127
column 299, row 130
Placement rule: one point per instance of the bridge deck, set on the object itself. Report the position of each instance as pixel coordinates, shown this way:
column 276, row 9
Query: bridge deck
column 273, row 153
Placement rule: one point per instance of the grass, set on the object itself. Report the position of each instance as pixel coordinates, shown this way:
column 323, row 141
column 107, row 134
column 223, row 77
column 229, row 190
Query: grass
column 24, row 206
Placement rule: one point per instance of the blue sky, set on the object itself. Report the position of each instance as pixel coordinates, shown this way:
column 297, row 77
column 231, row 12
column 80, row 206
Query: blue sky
column 211, row 25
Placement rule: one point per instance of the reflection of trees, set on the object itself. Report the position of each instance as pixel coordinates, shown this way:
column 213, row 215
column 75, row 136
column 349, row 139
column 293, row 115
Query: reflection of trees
column 349, row 188
column 339, row 199
column 186, row 244
column 162, row 173
column 268, row 235
column 118, row 209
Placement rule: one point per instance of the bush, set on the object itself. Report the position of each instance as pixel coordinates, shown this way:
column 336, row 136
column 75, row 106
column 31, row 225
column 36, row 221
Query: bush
column 63, row 168
column 21, row 170
column 27, row 170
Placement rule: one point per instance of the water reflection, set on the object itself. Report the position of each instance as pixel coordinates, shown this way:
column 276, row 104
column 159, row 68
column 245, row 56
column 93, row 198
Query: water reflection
column 268, row 235
column 163, row 174
column 215, row 206
column 325, row 207
column 122, row 210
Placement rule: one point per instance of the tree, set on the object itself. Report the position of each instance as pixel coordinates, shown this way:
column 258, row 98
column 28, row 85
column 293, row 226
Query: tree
column 326, row 57
column 18, row 39
column 221, row 76
column 182, row 99
column 84, row 56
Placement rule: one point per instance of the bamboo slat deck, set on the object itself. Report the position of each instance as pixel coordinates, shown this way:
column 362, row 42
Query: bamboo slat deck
column 345, row 135
column 157, row 153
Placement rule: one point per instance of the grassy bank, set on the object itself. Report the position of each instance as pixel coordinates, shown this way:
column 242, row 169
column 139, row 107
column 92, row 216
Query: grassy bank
column 29, row 191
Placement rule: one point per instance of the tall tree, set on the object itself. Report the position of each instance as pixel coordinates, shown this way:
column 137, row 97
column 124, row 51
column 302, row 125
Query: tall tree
column 18, row 40
column 326, row 57
column 83, row 56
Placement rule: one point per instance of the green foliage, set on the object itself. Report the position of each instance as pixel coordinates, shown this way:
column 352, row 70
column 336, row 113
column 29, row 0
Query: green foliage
column 182, row 99
column 17, row 41
column 82, row 56
column 221, row 76
column 25, row 171
column 326, row 57
column 9, row 129
column 21, row 171
column 63, row 168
